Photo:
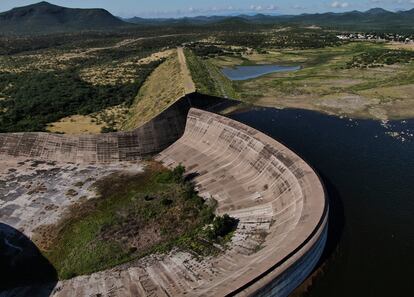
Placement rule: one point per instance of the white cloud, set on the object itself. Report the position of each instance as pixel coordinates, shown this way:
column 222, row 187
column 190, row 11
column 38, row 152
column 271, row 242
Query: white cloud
column 255, row 7
column 301, row 7
column 338, row 4
column 270, row 7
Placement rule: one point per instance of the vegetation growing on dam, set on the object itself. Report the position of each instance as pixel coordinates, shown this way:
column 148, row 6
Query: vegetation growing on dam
column 207, row 77
column 73, row 77
column 162, row 88
column 134, row 216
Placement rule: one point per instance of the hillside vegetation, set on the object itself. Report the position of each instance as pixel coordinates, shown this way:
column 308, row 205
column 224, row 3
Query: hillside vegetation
column 375, row 19
column 45, row 18
column 41, row 88
column 98, row 78
column 162, row 88
column 59, row 80
column 208, row 78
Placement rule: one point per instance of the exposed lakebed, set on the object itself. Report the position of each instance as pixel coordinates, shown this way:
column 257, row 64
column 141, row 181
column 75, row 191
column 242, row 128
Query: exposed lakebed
column 254, row 71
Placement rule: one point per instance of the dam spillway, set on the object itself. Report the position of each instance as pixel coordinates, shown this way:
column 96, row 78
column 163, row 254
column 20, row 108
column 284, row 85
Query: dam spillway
column 277, row 197
column 146, row 140
column 268, row 188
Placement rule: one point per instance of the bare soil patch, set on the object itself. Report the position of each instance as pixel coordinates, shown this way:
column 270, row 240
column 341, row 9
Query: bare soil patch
column 76, row 124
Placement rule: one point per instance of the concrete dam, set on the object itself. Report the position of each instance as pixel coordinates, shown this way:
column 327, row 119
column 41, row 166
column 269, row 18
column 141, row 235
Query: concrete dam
column 146, row 140
column 278, row 198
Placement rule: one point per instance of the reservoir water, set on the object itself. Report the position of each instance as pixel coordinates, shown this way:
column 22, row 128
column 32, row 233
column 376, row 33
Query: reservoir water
column 369, row 177
column 249, row 72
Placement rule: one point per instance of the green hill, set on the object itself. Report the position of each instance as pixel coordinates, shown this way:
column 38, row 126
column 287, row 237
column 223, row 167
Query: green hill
column 44, row 18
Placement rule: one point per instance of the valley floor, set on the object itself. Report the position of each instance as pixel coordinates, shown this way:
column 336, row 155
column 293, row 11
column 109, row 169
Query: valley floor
column 325, row 83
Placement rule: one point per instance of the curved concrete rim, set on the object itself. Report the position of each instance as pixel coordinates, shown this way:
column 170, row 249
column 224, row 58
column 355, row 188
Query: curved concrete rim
column 267, row 276
column 299, row 242
column 253, row 177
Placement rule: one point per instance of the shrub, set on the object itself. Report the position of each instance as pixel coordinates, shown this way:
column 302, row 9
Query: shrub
column 222, row 225
column 176, row 175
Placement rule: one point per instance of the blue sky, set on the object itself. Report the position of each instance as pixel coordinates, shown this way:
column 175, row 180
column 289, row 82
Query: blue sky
column 179, row 8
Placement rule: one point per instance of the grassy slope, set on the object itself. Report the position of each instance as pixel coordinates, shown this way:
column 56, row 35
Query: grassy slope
column 161, row 89
column 76, row 124
column 208, row 78
column 326, row 85
column 45, row 86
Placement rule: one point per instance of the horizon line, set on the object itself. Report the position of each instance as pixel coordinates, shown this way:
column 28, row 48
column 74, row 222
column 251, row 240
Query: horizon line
column 180, row 14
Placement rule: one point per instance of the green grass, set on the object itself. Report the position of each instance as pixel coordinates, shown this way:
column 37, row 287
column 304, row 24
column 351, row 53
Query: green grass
column 378, row 57
column 136, row 215
column 36, row 98
column 161, row 89
column 208, row 77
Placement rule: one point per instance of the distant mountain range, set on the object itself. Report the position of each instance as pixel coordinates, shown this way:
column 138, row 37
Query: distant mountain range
column 373, row 19
column 44, row 18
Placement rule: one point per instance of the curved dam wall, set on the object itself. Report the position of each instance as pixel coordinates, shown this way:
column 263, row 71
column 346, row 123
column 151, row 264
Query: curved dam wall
column 269, row 189
column 277, row 197
column 149, row 139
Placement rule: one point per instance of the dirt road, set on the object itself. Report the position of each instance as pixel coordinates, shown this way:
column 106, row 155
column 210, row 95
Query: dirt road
column 187, row 80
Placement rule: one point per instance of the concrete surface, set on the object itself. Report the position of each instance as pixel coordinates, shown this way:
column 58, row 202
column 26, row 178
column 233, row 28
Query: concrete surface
column 265, row 185
column 148, row 139
column 277, row 197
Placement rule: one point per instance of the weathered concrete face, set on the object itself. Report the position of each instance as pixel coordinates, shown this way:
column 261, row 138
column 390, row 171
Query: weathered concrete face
column 266, row 186
column 146, row 140
column 277, row 197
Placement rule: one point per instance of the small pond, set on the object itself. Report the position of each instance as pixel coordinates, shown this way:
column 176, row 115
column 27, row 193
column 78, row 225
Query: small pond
column 249, row 72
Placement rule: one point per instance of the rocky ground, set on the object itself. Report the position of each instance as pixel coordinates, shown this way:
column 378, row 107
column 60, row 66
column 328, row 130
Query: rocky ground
column 37, row 193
